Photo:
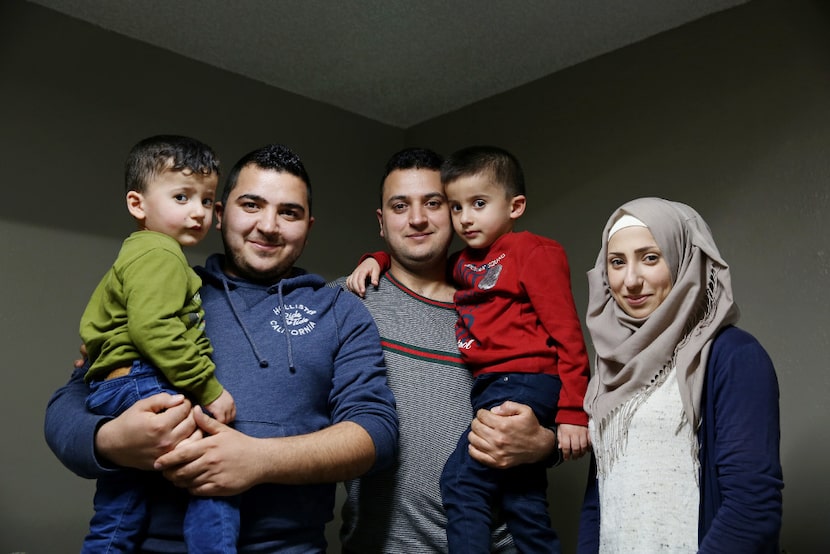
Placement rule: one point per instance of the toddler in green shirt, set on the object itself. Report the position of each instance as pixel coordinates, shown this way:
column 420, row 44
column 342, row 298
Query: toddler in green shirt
column 144, row 333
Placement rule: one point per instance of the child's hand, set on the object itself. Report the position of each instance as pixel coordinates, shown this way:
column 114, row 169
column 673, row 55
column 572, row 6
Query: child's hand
column 223, row 408
column 80, row 362
column 574, row 440
column 368, row 269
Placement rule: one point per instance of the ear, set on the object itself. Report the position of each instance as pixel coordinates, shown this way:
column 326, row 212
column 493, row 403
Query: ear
column 379, row 213
column 219, row 210
column 517, row 206
column 135, row 205
column 308, row 230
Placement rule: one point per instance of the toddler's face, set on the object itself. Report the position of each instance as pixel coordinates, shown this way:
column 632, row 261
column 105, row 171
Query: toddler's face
column 481, row 210
column 178, row 204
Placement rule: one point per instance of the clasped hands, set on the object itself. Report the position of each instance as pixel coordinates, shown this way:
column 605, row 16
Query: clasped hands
column 192, row 450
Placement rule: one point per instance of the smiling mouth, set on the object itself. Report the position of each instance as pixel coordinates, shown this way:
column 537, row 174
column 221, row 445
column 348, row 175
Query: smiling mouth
column 264, row 245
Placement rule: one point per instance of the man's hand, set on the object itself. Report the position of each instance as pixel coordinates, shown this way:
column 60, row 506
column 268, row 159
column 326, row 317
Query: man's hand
column 574, row 440
column 146, row 430
column 224, row 462
column 356, row 281
column 509, row 435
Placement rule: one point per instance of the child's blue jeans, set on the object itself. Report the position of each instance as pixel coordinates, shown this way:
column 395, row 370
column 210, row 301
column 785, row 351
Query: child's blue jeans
column 211, row 524
column 472, row 491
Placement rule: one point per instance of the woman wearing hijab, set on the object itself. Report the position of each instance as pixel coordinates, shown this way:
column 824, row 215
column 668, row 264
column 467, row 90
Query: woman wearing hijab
column 683, row 405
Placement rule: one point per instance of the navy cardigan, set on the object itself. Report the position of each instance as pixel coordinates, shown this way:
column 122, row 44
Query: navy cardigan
column 740, row 469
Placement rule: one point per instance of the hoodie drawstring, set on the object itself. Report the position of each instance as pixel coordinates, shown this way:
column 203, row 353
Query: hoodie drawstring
column 262, row 361
column 291, row 367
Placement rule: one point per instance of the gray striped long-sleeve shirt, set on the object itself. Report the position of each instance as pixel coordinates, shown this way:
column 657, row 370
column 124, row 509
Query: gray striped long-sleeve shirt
column 400, row 510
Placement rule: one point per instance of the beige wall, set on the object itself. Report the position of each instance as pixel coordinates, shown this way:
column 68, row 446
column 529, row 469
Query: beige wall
column 729, row 114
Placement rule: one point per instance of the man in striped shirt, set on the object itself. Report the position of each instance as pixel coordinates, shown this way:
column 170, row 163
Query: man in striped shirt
column 400, row 509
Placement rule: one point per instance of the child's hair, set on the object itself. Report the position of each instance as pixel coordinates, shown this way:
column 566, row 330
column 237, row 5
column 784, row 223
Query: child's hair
column 411, row 158
column 275, row 157
column 153, row 155
column 502, row 166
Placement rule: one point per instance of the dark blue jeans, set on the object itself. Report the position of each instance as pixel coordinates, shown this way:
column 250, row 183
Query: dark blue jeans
column 472, row 492
column 211, row 524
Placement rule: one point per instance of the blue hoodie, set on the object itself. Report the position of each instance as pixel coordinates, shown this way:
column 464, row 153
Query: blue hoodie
column 297, row 357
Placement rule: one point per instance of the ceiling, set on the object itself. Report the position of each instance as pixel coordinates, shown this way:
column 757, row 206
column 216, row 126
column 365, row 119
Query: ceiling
column 395, row 61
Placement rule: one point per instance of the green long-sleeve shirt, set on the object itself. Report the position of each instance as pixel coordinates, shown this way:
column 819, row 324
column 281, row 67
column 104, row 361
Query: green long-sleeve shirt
column 147, row 306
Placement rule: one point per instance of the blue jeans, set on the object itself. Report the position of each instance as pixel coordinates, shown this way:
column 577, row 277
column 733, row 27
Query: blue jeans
column 211, row 524
column 471, row 491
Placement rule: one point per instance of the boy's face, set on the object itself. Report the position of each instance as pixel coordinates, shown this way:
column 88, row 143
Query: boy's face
column 481, row 210
column 176, row 203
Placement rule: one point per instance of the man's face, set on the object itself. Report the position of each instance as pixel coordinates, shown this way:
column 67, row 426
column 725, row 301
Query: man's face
column 414, row 218
column 264, row 224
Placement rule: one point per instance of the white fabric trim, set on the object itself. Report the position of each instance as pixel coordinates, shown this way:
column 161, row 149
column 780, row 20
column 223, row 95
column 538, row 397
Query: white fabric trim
column 624, row 221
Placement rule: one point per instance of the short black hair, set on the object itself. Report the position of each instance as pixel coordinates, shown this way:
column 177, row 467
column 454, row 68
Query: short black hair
column 155, row 154
column 276, row 157
column 411, row 158
column 502, row 166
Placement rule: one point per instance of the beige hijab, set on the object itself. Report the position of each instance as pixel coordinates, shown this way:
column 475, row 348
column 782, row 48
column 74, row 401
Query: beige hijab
column 632, row 355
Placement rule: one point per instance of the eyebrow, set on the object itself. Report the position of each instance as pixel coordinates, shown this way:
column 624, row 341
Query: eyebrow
column 261, row 199
column 404, row 197
column 292, row 205
column 249, row 196
column 638, row 251
column 479, row 195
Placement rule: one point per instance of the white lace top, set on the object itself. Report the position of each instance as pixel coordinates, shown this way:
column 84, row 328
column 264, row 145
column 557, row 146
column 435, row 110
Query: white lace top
column 650, row 498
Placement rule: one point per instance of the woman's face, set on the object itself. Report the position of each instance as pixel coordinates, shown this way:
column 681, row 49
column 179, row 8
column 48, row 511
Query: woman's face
column 637, row 272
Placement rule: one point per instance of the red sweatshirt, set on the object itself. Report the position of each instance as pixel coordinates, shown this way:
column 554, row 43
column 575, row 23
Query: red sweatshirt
column 516, row 313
